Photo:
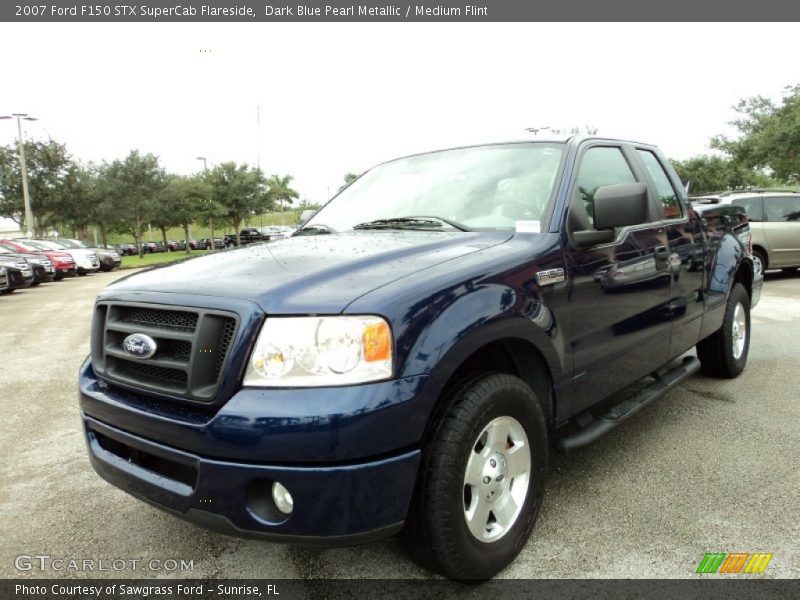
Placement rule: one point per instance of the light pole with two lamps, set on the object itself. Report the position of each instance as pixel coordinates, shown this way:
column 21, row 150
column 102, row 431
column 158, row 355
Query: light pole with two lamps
column 23, row 169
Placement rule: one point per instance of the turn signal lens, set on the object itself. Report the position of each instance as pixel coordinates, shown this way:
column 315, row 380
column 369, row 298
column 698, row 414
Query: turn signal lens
column 377, row 340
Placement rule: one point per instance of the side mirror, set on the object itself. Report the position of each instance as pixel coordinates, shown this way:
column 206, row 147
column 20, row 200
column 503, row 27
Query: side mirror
column 620, row 205
column 615, row 206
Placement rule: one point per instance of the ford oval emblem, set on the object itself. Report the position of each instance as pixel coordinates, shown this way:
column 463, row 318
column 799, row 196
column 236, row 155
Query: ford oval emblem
column 139, row 345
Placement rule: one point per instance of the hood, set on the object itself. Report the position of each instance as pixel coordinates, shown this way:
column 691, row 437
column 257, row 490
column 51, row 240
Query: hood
column 310, row 274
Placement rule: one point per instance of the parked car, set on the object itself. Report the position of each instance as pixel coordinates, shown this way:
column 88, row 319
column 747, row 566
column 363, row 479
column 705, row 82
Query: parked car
column 109, row 258
column 408, row 372
column 18, row 273
column 86, row 261
column 13, row 278
column 194, row 244
column 63, row 263
column 219, row 243
column 252, row 235
column 174, row 245
column 152, row 247
column 774, row 217
column 127, row 249
column 276, row 232
column 41, row 266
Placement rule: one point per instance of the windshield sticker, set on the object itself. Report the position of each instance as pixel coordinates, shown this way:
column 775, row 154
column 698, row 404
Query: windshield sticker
column 528, row 227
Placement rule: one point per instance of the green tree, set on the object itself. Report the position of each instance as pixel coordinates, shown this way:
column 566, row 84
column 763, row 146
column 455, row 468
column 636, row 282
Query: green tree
column 240, row 189
column 213, row 213
column 49, row 167
column 133, row 186
column 280, row 189
column 769, row 135
column 182, row 202
column 348, row 179
column 74, row 208
column 706, row 174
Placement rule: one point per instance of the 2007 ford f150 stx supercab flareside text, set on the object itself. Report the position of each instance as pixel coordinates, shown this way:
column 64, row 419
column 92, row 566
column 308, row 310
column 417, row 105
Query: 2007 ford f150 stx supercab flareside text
column 406, row 361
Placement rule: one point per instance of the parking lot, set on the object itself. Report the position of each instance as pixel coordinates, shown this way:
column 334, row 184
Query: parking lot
column 710, row 467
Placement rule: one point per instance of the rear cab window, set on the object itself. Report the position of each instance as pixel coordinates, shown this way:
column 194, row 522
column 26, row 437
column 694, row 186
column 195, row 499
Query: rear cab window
column 666, row 192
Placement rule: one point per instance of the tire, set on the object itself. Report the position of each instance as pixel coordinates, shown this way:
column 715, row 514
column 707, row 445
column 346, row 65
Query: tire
column 436, row 534
column 760, row 255
column 724, row 353
column 35, row 283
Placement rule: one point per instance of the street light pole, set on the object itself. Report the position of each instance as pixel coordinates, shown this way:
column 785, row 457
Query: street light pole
column 24, row 171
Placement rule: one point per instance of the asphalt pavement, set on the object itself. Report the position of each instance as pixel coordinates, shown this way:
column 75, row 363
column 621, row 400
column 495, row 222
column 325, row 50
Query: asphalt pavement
column 710, row 467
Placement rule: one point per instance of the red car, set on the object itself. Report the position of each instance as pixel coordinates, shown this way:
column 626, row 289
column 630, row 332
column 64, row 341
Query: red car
column 63, row 262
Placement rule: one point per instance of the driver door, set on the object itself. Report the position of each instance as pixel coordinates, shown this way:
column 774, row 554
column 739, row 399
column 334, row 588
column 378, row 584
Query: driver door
column 619, row 321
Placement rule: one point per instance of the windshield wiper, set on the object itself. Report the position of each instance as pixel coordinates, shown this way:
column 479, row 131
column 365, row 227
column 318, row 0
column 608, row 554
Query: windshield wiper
column 422, row 222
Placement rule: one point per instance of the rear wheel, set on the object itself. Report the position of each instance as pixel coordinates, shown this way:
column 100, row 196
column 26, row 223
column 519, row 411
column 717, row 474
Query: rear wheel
column 724, row 353
column 480, row 484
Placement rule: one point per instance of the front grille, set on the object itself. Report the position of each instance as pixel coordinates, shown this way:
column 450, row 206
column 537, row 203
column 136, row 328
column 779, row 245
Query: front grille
column 166, row 319
column 192, row 347
column 15, row 276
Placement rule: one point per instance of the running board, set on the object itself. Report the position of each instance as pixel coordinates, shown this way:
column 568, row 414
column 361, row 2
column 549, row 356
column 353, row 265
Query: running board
column 623, row 410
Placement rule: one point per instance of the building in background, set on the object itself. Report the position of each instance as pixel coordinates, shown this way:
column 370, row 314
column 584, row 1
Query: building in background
column 9, row 228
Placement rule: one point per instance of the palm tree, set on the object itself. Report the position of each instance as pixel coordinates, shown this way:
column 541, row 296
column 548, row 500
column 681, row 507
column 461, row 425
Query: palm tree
column 279, row 188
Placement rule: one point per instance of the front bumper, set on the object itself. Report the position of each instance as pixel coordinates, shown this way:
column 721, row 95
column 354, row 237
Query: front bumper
column 348, row 455
column 43, row 274
column 86, row 265
column 65, row 271
column 333, row 505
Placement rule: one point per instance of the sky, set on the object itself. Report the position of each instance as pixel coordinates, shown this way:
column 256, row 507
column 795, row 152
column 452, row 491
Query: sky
column 335, row 98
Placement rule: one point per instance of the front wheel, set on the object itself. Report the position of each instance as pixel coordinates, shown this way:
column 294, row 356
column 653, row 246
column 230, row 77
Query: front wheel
column 724, row 353
column 480, row 484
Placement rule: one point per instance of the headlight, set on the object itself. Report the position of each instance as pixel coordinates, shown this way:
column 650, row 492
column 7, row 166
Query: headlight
column 320, row 351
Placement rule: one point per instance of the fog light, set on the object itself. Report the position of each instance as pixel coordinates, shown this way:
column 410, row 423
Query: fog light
column 283, row 499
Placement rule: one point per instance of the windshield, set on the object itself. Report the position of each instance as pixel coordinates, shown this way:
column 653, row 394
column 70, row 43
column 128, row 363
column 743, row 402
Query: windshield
column 74, row 244
column 30, row 246
column 45, row 245
column 483, row 187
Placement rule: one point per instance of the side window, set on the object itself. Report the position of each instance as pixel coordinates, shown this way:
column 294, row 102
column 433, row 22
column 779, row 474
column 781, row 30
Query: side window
column 666, row 193
column 601, row 166
column 754, row 208
column 782, row 208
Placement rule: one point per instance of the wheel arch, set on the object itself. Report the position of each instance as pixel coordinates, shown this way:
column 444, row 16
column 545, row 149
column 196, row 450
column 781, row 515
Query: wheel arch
column 501, row 348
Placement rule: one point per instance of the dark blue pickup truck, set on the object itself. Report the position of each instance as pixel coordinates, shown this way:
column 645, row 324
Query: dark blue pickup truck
column 405, row 362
